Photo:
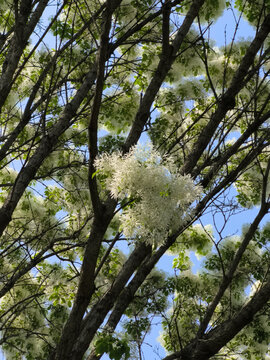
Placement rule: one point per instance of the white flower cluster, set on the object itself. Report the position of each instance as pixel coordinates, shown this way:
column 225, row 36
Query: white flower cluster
column 157, row 196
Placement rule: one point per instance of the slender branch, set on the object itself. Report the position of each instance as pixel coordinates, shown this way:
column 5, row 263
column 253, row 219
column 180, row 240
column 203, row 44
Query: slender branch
column 106, row 255
column 227, row 100
column 102, row 57
column 252, row 128
column 227, row 279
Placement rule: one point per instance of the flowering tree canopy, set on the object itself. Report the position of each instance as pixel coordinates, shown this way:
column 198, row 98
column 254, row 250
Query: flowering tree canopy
column 127, row 136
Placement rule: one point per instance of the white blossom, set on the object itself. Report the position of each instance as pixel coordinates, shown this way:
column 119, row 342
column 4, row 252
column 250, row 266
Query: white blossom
column 157, row 196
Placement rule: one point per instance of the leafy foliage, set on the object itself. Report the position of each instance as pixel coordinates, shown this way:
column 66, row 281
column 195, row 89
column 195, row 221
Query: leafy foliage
column 124, row 129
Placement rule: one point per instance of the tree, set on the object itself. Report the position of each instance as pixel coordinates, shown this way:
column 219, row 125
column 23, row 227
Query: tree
column 77, row 93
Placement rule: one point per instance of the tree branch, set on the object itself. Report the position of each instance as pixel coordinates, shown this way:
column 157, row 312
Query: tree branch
column 227, row 100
